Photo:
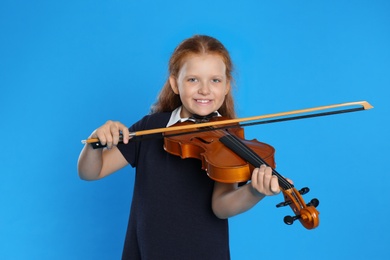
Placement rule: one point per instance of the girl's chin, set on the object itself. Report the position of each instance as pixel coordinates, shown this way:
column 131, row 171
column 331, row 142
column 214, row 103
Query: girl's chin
column 200, row 110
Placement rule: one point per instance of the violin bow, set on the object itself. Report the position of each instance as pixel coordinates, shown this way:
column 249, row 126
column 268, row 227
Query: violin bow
column 262, row 119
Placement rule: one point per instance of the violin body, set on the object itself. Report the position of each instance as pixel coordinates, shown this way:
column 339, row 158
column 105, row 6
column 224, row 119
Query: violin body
column 220, row 163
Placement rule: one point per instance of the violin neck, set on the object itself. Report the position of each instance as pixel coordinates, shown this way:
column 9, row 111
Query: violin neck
column 246, row 153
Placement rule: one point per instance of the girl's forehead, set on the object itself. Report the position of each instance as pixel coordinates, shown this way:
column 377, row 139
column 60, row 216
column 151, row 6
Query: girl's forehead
column 194, row 60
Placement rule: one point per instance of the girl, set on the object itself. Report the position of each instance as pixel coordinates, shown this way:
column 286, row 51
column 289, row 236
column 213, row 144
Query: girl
column 177, row 211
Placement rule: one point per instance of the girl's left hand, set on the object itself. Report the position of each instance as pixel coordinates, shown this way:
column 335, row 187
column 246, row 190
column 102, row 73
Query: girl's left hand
column 263, row 182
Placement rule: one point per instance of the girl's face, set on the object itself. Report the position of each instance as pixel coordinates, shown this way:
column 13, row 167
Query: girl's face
column 201, row 84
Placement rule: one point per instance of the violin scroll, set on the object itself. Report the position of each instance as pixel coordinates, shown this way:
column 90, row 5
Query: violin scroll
column 307, row 214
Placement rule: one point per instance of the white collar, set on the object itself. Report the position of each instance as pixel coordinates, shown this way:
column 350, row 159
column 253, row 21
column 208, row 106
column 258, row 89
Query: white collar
column 175, row 117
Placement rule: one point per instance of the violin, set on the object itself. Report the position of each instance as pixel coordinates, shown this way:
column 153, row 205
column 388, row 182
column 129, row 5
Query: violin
column 227, row 157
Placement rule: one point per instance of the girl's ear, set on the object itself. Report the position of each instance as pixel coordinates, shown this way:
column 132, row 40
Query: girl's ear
column 173, row 83
column 228, row 86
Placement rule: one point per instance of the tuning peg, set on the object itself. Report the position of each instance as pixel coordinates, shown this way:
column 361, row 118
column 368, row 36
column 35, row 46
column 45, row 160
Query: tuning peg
column 304, row 190
column 283, row 204
column 289, row 220
column 314, row 202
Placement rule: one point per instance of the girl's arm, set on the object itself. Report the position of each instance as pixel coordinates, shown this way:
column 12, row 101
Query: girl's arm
column 94, row 164
column 229, row 200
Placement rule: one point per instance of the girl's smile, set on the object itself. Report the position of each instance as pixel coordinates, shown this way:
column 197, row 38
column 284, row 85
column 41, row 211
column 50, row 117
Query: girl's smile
column 201, row 83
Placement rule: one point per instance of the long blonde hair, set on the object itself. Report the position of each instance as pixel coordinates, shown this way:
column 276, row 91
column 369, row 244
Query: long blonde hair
column 199, row 44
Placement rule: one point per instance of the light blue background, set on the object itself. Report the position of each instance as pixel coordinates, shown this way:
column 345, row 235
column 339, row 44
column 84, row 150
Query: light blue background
column 68, row 66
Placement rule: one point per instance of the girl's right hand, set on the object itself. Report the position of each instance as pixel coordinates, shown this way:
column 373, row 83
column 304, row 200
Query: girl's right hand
column 109, row 133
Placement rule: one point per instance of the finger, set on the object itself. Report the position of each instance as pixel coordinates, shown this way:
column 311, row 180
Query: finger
column 104, row 134
column 109, row 141
column 114, row 131
column 125, row 134
column 260, row 177
column 101, row 136
column 255, row 177
column 267, row 177
column 256, row 182
column 271, row 182
column 274, row 185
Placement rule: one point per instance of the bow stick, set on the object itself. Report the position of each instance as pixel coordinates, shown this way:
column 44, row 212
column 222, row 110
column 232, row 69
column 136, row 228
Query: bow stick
column 277, row 117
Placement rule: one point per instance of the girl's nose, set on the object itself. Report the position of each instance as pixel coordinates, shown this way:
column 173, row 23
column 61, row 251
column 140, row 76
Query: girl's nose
column 204, row 89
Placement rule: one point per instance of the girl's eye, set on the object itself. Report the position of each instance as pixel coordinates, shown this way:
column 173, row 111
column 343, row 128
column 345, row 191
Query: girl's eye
column 216, row 80
column 192, row 80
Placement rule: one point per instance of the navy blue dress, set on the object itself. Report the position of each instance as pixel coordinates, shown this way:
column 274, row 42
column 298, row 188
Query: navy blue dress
column 171, row 215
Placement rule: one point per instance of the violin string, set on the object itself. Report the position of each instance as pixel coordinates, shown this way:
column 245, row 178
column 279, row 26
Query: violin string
column 282, row 181
column 252, row 156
